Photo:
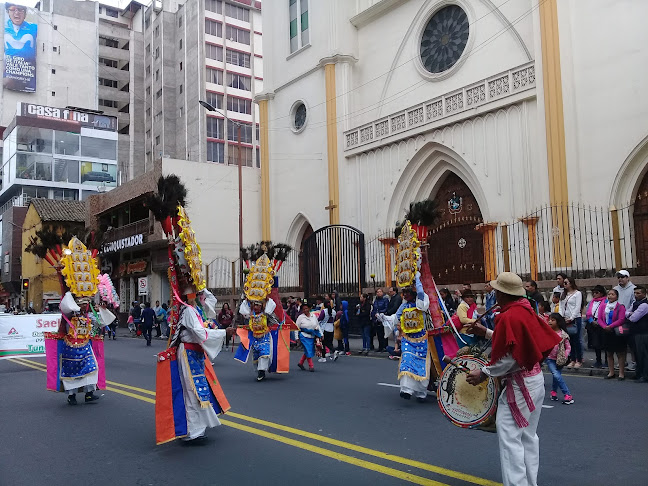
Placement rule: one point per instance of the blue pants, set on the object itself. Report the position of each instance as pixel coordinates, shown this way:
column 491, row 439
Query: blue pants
column 366, row 337
column 557, row 378
column 575, row 340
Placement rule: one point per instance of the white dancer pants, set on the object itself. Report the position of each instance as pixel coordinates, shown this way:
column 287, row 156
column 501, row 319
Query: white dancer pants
column 414, row 387
column 520, row 447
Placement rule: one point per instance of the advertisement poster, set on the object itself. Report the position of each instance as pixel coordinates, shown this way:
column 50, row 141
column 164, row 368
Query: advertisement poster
column 22, row 336
column 20, row 48
column 98, row 174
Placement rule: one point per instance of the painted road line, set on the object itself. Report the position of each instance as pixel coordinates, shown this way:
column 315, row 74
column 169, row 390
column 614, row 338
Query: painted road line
column 405, row 476
column 431, row 393
column 338, row 443
column 370, row 452
column 547, row 406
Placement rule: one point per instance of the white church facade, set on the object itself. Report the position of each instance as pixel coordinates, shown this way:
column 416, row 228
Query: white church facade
column 525, row 119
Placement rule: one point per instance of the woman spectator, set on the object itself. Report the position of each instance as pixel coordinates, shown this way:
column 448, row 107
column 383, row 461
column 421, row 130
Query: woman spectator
column 467, row 313
column 308, row 331
column 448, row 300
column 343, row 316
column 225, row 318
column 363, row 311
column 611, row 316
column 594, row 331
column 379, row 307
column 571, row 302
column 162, row 316
column 327, row 320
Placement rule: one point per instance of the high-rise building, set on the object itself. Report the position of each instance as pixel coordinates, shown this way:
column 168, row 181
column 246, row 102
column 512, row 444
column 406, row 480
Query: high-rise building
column 208, row 51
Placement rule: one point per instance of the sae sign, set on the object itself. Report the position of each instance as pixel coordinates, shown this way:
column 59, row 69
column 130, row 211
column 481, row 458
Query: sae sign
column 23, row 335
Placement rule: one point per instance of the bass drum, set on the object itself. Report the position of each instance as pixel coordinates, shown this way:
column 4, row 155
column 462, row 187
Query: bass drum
column 463, row 404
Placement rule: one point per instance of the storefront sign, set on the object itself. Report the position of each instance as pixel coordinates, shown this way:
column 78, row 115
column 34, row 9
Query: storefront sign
column 142, row 285
column 23, row 335
column 131, row 268
column 78, row 118
column 122, row 243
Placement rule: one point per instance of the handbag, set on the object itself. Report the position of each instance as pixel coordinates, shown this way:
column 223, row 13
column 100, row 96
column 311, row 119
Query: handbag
column 572, row 330
column 561, row 357
column 337, row 332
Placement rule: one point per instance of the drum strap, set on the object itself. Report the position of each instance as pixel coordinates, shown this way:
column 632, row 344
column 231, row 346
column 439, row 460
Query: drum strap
column 510, row 399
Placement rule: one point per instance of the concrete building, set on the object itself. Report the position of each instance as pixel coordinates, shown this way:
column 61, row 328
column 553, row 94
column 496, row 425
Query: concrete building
column 500, row 110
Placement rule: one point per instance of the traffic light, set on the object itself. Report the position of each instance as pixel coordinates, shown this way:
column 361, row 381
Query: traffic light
column 25, row 284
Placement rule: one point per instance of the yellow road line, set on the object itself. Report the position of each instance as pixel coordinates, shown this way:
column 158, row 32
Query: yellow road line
column 370, row 452
column 338, row 443
column 338, row 456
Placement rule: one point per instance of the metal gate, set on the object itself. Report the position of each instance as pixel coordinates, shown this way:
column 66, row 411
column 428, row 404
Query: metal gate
column 334, row 259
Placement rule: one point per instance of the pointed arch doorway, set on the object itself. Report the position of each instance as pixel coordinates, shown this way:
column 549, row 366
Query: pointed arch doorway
column 640, row 217
column 456, row 251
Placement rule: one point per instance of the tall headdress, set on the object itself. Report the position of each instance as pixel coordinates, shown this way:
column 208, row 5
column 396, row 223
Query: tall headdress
column 258, row 283
column 408, row 255
column 79, row 269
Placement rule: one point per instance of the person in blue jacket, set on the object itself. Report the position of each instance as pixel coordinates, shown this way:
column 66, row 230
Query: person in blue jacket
column 380, row 305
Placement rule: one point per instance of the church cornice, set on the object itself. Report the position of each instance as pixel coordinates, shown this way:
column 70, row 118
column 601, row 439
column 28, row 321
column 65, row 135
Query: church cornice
column 376, row 10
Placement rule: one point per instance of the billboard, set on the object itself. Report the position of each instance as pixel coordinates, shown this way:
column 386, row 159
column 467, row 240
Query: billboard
column 22, row 335
column 20, row 49
column 75, row 119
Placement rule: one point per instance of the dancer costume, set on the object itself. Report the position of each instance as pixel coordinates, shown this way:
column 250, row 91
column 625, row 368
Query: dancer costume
column 265, row 335
column 75, row 354
column 188, row 396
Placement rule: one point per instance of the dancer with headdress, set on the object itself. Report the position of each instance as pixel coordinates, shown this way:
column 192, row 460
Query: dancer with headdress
column 74, row 354
column 267, row 332
column 188, row 396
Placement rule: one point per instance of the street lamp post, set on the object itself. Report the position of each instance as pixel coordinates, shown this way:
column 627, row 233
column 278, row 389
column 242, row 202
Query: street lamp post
column 209, row 107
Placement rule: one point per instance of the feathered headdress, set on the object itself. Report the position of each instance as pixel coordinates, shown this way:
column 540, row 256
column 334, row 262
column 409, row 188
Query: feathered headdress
column 277, row 252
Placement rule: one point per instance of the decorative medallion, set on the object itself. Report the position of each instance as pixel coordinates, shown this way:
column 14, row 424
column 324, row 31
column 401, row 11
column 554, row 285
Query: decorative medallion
column 461, row 243
column 412, row 320
column 444, row 39
column 455, row 204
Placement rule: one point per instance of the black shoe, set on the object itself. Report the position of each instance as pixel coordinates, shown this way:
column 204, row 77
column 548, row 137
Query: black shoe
column 148, row 343
column 72, row 400
column 261, row 375
column 621, row 378
column 90, row 397
column 301, row 366
column 312, row 370
column 405, row 396
column 608, row 377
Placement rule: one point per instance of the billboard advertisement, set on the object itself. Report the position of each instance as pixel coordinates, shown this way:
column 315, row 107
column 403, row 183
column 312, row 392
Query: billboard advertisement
column 22, row 336
column 20, row 48
column 50, row 117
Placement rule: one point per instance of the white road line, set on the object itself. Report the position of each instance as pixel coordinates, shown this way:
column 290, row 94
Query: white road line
column 398, row 386
column 547, row 406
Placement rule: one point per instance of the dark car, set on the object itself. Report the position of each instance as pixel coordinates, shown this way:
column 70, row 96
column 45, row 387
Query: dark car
column 97, row 177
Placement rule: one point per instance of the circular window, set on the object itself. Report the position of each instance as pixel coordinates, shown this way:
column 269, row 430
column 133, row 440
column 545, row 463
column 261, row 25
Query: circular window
column 299, row 114
column 444, row 39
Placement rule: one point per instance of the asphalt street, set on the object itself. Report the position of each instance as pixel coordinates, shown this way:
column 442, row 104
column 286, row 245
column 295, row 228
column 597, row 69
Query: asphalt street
column 342, row 424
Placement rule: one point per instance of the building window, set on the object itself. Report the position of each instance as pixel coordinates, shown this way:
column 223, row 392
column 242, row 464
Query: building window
column 246, row 155
column 148, row 49
column 110, row 83
column 54, row 49
column 66, row 143
column 214, row 76
column 108, row 42
column 53, row 71
column 258, row 157
column 107, row 103
column 157, row 52
column 181, row 111
column 148, row 71
column 148, row 91
column 148, row 134
column 53, row 93
column 237, row 58
column 216, row 152
column 298, row 115
column 157, row 74
column 180, row 44
column 238, row 13
column 157, row 140
column 158, row 117
column 299, row 32
column 444, row 39
column 31, row 139
column 214, row 52
column 99, row 148
column 158, row 94
column 180, row 65
column 180, row 21
column 215, row 6
column 111, row 12
column 238, row 35
column 108, row 62
column 239, row 81
column 147, row 22
column 239, row 105
column 148, row 111
column 34, row 167
column 66, row 194
column 215, row 99
column 66, row 170
column 215, row 128
column 156, row 31
column 246, row 131
column 180, row 89
column 213, row 28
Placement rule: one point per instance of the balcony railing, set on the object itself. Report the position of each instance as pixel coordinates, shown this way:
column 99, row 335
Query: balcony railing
column 143, row 226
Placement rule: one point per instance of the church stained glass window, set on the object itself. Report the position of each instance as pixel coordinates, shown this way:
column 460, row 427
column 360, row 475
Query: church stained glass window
column 444, row 39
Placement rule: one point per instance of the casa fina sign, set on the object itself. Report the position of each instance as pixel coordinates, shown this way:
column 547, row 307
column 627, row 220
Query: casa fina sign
column 122, row 243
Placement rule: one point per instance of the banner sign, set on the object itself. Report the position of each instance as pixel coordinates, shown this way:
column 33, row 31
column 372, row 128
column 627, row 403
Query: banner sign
column 20, row 49
column 131, row 268
column 22, row 335
column 50, row 117
column 122, row 243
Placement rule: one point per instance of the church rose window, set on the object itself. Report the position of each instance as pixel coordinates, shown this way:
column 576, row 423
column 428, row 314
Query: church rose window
column 300, row 116
column 444, row 39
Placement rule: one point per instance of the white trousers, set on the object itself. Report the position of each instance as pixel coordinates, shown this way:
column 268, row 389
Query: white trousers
column 414, row 387
column 520, row 447
column 263, row 364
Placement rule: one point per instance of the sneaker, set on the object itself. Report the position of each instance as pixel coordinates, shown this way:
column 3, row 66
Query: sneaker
column 405, row 396
column 321, row 360
column 301, row 366
column 90, row 397
column 568, row 400
column 71, row 400
column 261, row 375
column 554, row 396
column 632, row 366
column 348, row 353
column 336, row 355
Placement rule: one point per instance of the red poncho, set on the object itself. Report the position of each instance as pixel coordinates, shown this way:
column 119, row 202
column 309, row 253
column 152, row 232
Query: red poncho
column 522, row 333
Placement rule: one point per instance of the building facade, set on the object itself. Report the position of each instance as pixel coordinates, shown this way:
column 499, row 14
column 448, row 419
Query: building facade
column 496, row 109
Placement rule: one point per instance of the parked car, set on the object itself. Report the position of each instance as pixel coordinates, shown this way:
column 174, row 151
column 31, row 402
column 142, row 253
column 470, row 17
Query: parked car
column 97, row 177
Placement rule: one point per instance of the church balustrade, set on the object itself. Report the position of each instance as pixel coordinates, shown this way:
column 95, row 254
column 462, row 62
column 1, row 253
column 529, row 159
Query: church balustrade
column 435, row 112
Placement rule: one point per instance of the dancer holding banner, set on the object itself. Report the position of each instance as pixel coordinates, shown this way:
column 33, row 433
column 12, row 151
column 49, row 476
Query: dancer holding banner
column 188, row 397
column 520, row 341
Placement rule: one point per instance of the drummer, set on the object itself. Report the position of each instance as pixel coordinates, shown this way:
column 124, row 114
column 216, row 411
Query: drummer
column 520, row 341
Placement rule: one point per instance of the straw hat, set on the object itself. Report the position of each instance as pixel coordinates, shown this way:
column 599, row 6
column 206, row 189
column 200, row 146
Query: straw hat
column 509, row 283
